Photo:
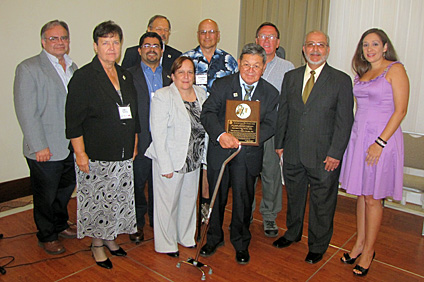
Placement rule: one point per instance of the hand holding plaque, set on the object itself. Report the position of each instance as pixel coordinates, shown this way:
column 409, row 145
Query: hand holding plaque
column 242, row 120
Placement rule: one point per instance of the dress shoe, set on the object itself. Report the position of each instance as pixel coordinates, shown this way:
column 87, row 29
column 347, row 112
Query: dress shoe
column 242, row 257
column 313, row 257
column 69, row 233
column 347, row 259
column 283, row 242
column 119, row 252
column 363, row 271
column 105, row 263
column 208, row 250
column 270, row 228
column 138, row 236
column 174, row 254
column 53, row 247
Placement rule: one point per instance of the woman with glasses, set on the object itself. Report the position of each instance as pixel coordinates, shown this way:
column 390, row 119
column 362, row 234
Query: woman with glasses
column 176, row 152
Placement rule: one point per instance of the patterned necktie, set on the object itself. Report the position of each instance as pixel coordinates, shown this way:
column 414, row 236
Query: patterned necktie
column 308, row 87
column 248, row 89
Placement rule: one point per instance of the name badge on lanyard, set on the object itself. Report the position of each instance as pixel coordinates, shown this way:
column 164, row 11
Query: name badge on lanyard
column 201, row 79
column 124, row 112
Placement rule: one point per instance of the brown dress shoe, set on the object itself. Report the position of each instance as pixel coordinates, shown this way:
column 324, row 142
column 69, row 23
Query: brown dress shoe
column 52, row 247
column 138, row 236
column 69, row 233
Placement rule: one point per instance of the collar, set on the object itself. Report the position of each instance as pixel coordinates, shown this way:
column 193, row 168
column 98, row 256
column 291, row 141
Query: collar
column 145, row 68
column 317, row 71
column 54, row 60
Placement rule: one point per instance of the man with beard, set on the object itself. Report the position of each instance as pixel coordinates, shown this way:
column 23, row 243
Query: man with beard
column 148, row 76
column 315, row 117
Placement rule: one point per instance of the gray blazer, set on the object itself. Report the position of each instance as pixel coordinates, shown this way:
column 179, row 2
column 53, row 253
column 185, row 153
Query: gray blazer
column 170, row 128
column 40, row 96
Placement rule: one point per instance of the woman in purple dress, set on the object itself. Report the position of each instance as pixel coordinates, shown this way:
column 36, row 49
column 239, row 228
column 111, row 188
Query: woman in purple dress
column 373, row 162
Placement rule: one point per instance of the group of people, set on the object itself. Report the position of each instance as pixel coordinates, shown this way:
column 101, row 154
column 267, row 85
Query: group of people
column 160, row 119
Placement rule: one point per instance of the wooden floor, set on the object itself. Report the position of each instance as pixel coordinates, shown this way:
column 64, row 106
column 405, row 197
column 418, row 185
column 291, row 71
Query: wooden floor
column 399, row 254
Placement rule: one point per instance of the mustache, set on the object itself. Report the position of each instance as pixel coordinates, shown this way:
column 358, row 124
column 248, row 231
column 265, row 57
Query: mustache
column 152, row 52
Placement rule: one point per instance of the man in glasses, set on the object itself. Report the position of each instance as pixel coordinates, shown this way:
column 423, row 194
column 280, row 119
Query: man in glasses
column 40, row 91
column 148, row 75
column 241, row 172
column 162, row 26
column 315, row 117
column 268, row 36
column 210, row 63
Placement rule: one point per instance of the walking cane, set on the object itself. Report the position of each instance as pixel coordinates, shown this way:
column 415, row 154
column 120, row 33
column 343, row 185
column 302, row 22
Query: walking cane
column 194, row 261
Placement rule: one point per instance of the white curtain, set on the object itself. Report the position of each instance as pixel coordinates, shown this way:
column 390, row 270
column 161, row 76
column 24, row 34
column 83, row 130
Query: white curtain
column 403, row 23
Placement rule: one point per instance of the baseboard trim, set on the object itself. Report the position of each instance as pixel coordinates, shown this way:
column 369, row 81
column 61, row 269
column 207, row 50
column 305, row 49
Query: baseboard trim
column 15, row 189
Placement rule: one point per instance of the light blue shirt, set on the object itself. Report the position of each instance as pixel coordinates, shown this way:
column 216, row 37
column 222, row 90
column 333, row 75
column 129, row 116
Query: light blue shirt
column 153, row 79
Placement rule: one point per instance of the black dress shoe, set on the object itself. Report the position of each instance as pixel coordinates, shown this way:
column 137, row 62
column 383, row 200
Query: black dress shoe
column 283, row 242
column 363, row 271
column 138, row 236
column 347, row 259
column 119, row 252
column 174, row 254
column 243, row 257
column 105, row 264
column 313, row 257
column 208, row 250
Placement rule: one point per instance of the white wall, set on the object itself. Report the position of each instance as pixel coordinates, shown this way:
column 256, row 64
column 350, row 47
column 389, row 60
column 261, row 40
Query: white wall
column 21, row 21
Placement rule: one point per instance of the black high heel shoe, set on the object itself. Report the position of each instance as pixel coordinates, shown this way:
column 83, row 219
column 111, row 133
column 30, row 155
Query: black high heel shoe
column 348, row 260
column 364, row 271
column 119, row 252
column 106, row 263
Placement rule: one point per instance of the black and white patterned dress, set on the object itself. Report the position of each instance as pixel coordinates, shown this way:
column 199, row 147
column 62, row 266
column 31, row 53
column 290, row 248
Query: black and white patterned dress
column 197, row 138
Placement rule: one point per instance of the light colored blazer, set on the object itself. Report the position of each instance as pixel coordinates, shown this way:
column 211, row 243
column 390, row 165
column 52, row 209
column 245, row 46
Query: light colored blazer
column 40, row 97
column 170, row 127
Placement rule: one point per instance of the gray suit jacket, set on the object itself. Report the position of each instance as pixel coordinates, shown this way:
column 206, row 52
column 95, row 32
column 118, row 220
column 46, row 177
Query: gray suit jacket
column 310, row 132
column 170, row 127
column 40, row 96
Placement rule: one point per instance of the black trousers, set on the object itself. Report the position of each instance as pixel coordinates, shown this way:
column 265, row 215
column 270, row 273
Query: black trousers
column 323, row 188
column 242, row 183
column 52, row 185
column 142, row 174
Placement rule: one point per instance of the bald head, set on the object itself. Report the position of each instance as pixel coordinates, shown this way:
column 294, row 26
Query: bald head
column 208, row 34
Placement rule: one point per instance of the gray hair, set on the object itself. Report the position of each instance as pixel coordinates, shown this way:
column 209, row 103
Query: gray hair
column 152, row 19
column 253, row 49
column 51, row 24
column 318, row 31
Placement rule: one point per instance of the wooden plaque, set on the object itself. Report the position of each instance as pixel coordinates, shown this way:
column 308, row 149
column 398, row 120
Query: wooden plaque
column 242, row 120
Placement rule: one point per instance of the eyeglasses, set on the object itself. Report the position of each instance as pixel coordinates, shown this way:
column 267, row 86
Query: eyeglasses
column 211, row 32
column 55, row 39
column 320, row 45
column 148, row 46
column 264, row 37
column 159, row 29
column 247, row 67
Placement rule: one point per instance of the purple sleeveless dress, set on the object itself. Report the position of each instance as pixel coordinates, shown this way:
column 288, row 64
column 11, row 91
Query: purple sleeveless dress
column 374, row 108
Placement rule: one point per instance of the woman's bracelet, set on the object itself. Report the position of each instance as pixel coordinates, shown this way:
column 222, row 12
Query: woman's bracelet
column 385, row 142
column 380, row 143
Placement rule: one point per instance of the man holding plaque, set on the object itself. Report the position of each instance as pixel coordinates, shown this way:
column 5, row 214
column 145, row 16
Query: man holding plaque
column 315, row 117
column 248, row 88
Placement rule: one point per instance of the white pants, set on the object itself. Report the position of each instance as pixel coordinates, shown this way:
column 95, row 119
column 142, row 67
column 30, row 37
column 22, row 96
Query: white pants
column 174, row 213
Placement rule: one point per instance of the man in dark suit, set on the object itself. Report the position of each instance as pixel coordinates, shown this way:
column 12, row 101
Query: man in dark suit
column 243, row 169
column 162, row 26
column 315, row 117
column 40, row 91
column 148, row 76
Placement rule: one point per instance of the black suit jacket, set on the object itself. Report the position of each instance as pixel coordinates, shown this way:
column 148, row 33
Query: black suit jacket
column 92, row 112
column 213, row 119
column 143, row 97
column 310, row 132
column 132, row 57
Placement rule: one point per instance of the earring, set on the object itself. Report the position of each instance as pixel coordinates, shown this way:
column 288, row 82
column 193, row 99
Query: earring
column 384, row 55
